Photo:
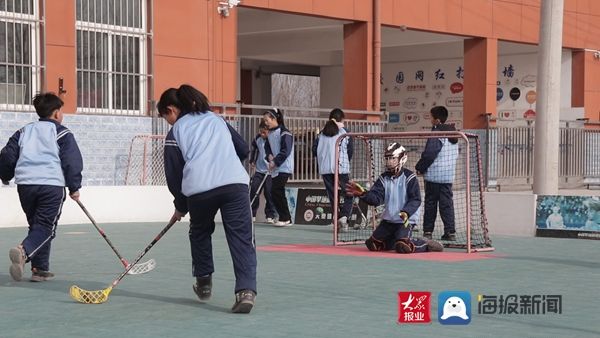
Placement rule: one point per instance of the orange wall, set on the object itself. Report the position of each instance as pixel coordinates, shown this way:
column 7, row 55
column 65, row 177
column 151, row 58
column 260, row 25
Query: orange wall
column 585, row 86
column 194, row 44
column 61, row 51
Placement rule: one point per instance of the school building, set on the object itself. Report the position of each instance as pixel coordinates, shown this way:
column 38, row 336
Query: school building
column 111, row 59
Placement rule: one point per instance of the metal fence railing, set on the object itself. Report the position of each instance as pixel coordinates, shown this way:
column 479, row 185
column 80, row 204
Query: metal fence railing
column 304, row 123
column 510, row 156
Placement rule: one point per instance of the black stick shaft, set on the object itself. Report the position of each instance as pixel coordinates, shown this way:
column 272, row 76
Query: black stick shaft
column 139, row 257
column 87, row 213
column 259, row 187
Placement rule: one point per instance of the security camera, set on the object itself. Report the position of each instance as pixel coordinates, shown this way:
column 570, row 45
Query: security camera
column 224, row 7
column 596, row 55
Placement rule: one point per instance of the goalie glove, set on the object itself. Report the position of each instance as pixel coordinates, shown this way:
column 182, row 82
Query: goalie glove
column 404, row 217
column 355, row 189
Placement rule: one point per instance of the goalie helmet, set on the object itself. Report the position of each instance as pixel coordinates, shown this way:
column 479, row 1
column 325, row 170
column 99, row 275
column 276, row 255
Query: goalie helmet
column 397, row 152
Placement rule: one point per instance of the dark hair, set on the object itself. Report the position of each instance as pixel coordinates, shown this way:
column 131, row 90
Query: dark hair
column 440, row 113
column 186, row 98
column 262, row 125
column 277, row 114
column 46, row 103
column 331, row 128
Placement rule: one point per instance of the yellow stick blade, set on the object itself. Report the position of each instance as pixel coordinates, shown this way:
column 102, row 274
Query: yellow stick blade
column 89, row 297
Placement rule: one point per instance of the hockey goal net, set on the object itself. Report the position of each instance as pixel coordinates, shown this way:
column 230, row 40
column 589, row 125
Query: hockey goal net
column 469, row 209
column 145, row 163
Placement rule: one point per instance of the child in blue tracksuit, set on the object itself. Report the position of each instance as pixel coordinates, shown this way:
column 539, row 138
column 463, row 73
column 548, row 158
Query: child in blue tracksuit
column 280, row 154
column 44, row 158
column 437, row 164
column 324, row 150
column 261, row 166
column 398, row 189
column 205, row 174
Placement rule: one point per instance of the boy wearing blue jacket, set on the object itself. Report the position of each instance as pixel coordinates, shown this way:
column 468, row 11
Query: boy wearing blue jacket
column 437, row 165
column 398, row 190
column 44, row 158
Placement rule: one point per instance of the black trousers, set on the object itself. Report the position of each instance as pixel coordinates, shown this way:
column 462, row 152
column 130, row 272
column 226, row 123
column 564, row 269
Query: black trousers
column 42, row 205
column 346, row 206
column 266, row 188
column 438, row 194
column 233, row 202
column 279, row 199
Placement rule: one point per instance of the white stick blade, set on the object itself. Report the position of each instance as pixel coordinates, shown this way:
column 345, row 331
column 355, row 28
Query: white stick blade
column 141, row 268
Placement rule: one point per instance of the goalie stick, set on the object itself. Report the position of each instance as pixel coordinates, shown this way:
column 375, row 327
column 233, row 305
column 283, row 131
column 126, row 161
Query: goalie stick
column 135, row 270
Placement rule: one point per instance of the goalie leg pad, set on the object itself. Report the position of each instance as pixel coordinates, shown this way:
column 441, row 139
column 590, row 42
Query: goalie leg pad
column 374, row 244
column 405, row 246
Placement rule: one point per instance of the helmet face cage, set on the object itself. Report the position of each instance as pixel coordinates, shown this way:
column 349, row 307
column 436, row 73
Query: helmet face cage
column 398, row 152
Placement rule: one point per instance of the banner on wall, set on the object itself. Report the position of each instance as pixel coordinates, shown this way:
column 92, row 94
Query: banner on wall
column 568, row 217
column 314, row 208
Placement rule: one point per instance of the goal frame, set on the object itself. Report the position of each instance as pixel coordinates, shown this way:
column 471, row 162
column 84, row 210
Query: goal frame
column 418, row 135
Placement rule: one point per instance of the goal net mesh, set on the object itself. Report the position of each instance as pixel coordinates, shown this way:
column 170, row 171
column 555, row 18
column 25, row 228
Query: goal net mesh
column 367, row 165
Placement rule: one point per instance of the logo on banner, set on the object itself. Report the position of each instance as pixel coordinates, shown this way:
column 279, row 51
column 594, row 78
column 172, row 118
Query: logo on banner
column 454, row 101
column 309, row 215
column 507, row 115
column 499, row 94
column 411, row 118
column 410, row 103
column 528, row 81
column 514, row 94
column 456, row 87
column 531, row 96
column 414, row 307
column 529, row 114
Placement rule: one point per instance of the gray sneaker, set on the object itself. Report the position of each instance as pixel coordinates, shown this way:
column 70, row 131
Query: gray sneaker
column 17, row 259
column 203, row 287
column 434, row 246
column 40, row 275
column 244, row 301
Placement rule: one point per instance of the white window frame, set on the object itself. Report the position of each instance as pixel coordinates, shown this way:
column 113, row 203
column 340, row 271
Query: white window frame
column 114, row 30
column 35, row 23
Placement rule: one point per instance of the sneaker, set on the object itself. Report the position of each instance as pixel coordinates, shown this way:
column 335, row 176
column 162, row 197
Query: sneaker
column 244, row 301
column 343, row 224
column 40, row 275
column 434, row 246
column 203, row 287
column 404, row 248
column 283, row 223
column 450, row 236
column 374, row 245
column 270, row 220
column 427, row 234
column 17, row 258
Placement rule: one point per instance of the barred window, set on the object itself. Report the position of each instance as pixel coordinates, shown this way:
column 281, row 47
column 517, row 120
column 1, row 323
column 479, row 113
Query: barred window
column 20, row 60
column 112, row 71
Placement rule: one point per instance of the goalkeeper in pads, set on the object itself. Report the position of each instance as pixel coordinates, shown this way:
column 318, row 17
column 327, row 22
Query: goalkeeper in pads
column 398, row 189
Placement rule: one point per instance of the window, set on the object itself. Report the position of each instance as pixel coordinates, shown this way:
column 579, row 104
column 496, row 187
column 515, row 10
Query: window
column 20, row 61
column 112, row 72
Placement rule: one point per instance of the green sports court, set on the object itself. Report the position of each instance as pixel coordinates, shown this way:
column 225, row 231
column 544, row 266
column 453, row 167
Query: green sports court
column 306, row 287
